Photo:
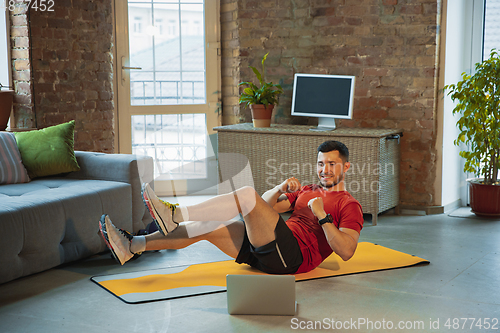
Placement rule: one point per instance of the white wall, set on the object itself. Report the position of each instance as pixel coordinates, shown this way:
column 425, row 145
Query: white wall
column 460, row 50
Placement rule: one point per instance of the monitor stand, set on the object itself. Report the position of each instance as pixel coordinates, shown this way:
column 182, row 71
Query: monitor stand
column 325, row 124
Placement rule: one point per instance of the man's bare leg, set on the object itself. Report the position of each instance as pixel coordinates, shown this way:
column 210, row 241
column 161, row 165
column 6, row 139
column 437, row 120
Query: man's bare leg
column 260, row 223
column 228, row 238
column 260, row 218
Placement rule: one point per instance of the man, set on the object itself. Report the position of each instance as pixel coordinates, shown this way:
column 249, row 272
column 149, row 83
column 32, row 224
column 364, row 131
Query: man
column 325, row 218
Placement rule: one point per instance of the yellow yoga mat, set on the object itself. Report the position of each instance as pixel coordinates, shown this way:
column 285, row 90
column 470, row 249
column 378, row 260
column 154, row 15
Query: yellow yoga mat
column 182, row 281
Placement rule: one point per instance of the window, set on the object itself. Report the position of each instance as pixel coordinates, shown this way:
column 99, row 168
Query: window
column 491, row 33
column 172, row 28
column 4, row 50
column 178, row 143
column 197, row 28
column 172, row 69
column 167, row 97
column 137, row 25
column 159, row 26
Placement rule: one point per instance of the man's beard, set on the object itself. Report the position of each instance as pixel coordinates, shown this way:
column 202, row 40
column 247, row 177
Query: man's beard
column 335, row 182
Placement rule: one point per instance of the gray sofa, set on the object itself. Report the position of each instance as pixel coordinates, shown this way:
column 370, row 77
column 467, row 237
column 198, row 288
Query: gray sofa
column 54, row 220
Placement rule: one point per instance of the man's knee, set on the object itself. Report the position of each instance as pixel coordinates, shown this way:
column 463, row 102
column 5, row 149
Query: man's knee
column 247, row 198
column 246, row 191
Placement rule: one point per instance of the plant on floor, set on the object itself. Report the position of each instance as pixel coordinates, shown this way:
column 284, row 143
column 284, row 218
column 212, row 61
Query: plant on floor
column 478, row 104
column 264, row 97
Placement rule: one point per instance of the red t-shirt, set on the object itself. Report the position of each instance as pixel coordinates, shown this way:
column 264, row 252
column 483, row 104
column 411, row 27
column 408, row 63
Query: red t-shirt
column 346, row 213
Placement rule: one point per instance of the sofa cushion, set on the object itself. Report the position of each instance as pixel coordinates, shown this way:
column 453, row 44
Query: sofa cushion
column 49, row 151
column 12, row 170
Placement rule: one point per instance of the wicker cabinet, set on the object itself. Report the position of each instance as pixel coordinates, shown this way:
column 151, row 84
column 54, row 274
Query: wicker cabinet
column 281, row 151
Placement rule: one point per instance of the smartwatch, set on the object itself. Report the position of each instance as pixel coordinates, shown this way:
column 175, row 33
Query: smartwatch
column 327, row 219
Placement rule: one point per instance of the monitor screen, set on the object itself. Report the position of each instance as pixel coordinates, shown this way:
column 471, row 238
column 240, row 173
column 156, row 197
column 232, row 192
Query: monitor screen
column 316, row 95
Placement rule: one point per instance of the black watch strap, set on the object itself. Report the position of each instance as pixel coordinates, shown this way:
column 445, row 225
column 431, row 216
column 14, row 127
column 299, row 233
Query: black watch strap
column 327, row 219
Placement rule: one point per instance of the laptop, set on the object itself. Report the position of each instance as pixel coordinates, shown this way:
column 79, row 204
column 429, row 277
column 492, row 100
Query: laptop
column 261, row 295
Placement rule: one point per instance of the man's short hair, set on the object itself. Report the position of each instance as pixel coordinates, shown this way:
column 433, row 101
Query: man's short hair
column 331, row 145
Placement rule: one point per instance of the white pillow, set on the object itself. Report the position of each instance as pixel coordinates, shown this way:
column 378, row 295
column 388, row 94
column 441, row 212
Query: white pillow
column 12, row 170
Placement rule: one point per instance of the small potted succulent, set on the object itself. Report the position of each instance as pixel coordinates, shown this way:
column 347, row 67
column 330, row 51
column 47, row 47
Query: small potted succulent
column 6, row 99
column 478, row 98
column 261, row 100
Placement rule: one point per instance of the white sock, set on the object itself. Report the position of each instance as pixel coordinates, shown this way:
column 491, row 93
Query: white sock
column 138, row 244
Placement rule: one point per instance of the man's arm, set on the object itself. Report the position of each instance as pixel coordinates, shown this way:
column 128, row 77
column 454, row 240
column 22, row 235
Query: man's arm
column 343, row 241
column 275, row 197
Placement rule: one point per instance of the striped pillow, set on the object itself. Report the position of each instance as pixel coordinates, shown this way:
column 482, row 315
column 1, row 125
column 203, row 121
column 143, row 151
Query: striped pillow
column 12, row 169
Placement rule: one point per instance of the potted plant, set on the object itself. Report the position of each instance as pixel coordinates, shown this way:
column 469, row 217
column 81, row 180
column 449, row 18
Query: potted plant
column 261, row 100
column 478, row 98
column 6, row 99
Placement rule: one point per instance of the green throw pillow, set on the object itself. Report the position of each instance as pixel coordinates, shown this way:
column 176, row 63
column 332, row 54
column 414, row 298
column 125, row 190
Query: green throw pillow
column 49, row 151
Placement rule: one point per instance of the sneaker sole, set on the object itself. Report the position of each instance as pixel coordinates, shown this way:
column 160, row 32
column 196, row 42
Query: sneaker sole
column 150, row 209
column 104, row 234
column 162, row 227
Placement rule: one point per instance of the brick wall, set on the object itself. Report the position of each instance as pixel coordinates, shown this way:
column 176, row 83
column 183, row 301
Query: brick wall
column 71, row 70
column 389, row 45
column 24, row 111
column 230, row 61
column 64, row 58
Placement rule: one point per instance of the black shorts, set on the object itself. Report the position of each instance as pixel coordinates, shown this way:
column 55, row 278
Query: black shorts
column 281, row 256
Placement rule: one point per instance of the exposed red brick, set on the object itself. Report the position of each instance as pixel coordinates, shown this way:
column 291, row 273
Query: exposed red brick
column 353, row 20
column 328, row 11
column 375, row 71
column 367, row 102
column 71, row 50
column 388, row 102
column 412, row 9
column 389, row 45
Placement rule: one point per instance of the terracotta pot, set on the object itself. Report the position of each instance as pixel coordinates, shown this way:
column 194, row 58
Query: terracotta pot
column 6, row 98
column 261, row 115
column 484, row 199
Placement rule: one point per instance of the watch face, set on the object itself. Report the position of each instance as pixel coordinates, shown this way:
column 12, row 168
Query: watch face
column 327, row 219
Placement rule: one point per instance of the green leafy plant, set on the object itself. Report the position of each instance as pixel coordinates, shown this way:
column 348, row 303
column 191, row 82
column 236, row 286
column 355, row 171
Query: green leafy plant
column 267, row 94
column 478, row 98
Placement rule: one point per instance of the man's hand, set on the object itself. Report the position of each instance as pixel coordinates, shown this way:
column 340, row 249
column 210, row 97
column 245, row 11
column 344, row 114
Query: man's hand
column 317, row 207
column 275, row 197
column 290, row 185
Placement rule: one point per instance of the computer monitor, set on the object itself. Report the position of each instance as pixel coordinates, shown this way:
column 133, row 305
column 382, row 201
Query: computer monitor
column 324, row 96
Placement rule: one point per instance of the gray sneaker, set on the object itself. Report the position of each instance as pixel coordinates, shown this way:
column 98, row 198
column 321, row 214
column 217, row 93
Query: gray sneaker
column 161, row 211
column 117, row 240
